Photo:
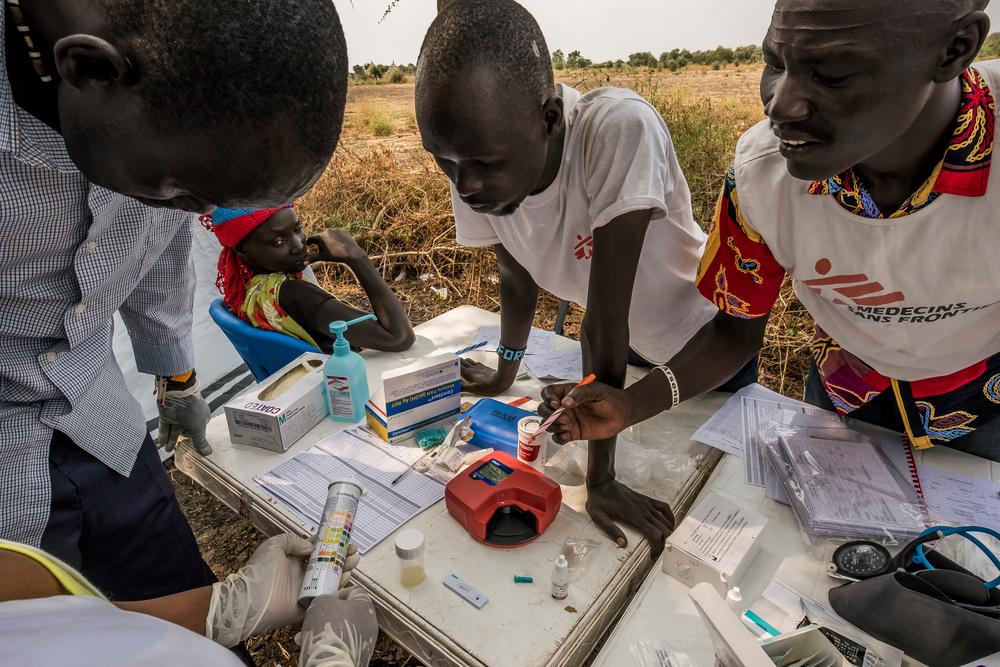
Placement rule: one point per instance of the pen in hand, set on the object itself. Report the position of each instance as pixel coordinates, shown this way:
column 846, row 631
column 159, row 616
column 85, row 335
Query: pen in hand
column 555, row 415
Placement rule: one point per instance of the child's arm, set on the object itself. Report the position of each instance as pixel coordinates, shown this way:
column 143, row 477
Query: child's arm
column 391, row 331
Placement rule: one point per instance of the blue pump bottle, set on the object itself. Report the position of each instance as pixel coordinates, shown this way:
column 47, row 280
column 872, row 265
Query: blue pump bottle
column 346, row 376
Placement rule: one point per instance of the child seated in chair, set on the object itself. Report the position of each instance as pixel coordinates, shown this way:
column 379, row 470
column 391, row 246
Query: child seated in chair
column 260, row 276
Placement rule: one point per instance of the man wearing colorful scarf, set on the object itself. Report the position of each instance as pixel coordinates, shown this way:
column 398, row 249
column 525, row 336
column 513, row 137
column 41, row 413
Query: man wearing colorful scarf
column 870, row 186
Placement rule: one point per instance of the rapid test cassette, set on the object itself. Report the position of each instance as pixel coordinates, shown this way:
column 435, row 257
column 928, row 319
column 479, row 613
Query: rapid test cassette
column 467, row 592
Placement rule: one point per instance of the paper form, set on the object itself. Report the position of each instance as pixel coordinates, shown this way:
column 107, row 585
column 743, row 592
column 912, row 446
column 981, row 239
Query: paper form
column 950, row 496
column 959, row 498
column 300, row 483
column 563, row 365
column 725, row 429
column 539, row 342
column 757, row 415
column 849, row 489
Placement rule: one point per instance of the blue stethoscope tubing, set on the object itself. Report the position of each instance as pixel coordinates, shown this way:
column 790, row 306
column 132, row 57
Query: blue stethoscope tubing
column 964, row 531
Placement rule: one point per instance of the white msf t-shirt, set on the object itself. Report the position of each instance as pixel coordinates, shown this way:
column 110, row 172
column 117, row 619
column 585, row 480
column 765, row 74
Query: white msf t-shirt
column 914, row 297
column 617, row 158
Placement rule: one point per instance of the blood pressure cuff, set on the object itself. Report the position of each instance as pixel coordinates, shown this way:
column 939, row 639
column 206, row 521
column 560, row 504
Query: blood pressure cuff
column 903, row 610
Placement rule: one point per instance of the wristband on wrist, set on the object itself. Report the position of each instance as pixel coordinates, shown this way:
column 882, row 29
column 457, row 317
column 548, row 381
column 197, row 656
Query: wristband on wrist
column 675, row 389
column 508, row 354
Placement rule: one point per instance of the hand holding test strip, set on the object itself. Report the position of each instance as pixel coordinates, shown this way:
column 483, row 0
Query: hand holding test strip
column 555, row 415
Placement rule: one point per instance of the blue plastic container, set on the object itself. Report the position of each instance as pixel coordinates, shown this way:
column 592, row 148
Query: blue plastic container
column 494, row 424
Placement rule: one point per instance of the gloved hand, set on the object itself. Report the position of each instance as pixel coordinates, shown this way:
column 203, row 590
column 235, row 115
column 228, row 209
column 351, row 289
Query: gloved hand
column 339, row 630
column 262, row 595
column 182, row 410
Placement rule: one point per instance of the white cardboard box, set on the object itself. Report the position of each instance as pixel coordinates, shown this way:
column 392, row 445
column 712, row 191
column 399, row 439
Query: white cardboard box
column 416, row 396
column 715, row 544
column 272, row 416
column 735, row 647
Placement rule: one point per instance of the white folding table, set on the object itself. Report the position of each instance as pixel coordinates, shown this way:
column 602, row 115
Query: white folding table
column 663, row 610
column 521, row 625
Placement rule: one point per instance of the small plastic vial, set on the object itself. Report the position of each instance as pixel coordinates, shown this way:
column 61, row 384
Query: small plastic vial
column 410, row 550
column 735, row 600
column 560, row 579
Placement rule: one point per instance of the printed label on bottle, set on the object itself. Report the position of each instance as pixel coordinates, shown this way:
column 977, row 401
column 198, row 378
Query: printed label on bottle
column 560, row 592
column 529, row 453
column 339, row 391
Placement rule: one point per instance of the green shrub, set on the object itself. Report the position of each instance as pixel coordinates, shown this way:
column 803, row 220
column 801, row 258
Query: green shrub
column 991, row 48
column 376, row 119
column 397, row 77
column 381, row 125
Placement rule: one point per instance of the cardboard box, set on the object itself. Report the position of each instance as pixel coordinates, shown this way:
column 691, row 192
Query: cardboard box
column 276, row 413
column 715, row 544
column 735, row 647
column 416, row 396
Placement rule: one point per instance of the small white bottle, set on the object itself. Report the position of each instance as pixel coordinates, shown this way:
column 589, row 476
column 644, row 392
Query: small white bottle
column 560, row 579
column 735, row 600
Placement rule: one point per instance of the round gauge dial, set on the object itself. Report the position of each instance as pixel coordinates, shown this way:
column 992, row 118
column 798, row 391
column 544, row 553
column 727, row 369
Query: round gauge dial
column 862, row 559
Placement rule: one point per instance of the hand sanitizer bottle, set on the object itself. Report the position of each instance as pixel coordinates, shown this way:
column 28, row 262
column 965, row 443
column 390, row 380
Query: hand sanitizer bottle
column 346, row 376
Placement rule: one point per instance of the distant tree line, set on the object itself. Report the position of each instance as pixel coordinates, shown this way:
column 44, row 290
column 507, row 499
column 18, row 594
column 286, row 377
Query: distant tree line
column 375, row 72
column 717, row 58
column 672, row 60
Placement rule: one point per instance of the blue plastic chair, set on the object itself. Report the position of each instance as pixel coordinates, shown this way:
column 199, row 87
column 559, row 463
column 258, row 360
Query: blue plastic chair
column 263, row 351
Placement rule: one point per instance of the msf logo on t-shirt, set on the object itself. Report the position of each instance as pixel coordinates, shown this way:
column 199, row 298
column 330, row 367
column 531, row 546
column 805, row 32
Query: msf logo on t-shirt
column 857, row 288
column 584, row 248
column 869, row 300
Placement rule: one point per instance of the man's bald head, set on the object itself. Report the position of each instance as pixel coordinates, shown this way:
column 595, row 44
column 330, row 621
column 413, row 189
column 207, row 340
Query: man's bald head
column 891, row 24
column 869, row 83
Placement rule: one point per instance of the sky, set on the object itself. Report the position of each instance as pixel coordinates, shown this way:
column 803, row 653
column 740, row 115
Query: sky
column 600, row 29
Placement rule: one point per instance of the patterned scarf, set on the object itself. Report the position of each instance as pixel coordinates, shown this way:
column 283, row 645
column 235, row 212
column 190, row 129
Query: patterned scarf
column 230, row 226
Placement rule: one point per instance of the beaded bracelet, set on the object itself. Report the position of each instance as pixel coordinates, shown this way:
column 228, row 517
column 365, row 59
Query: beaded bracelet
column 675, row 390
column 508, row 354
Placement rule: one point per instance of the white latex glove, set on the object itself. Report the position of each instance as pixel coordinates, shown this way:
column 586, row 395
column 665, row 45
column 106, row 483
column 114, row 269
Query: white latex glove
column 262, row 595
column 182, row 411
column 339, row 630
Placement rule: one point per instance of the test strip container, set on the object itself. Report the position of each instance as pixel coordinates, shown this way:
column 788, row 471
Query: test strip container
column 326, row 563
column 532, row 453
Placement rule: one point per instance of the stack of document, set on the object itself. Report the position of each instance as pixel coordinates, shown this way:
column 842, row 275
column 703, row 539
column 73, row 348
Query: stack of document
column 845, row 487
column 751, row 409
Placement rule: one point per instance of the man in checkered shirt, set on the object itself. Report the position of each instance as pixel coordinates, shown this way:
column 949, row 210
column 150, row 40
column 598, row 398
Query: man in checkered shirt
column 109, row 108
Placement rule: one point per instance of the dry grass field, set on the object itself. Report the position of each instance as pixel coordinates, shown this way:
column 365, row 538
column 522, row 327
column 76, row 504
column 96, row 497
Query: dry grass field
column 382, row 187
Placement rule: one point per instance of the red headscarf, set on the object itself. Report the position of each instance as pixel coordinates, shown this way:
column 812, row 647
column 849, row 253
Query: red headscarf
column 232, row 226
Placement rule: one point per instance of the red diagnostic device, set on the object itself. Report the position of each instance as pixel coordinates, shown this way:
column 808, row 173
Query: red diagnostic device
column 503, row 502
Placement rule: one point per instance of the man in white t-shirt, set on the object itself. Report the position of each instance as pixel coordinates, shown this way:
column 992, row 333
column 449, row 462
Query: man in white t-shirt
column 870, row 185
column 580, row 195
